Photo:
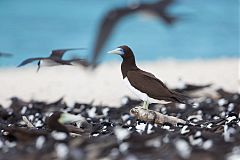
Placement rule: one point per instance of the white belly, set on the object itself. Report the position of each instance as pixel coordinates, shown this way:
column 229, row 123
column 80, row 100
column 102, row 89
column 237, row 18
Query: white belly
column 141, row 95
column 48, row 63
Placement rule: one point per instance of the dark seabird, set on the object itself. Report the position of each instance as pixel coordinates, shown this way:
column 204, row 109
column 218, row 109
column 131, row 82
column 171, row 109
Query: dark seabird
column 76, row 61
column 144, row 84
column 5, row 54
column 158, row 9
column 56, row 122
column 53, row 60
column 187, row 88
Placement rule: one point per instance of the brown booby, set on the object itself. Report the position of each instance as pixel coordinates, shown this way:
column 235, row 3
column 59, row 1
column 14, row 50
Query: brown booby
column 157, row 9
column 53, row 60
column 56, row 122
column 144, row 84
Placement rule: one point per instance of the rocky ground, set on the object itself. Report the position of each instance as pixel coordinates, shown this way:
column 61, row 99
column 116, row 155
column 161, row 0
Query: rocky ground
column 212, row 131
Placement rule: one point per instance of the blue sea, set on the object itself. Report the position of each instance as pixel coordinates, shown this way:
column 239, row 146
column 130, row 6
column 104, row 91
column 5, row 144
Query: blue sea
column 207, row 29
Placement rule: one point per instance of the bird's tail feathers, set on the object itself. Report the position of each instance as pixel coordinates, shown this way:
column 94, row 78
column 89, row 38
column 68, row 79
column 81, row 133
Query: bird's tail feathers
column 181, row 98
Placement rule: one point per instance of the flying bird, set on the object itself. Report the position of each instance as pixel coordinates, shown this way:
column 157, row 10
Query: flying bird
column 143, row 84
column 53, row 60
column 5, row 54
column 187, row 88
column 158, row 9
column 76, row 61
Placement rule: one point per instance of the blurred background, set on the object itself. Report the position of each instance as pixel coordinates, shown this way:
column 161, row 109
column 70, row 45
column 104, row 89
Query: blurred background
column 208, row 29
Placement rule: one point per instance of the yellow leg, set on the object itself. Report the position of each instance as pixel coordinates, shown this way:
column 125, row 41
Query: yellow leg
column 145, row 105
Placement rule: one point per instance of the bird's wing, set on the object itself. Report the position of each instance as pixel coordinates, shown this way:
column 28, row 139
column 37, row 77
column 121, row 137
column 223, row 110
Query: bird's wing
column 155, row 88
column 5, row 54
column 159, row 9
column 148, row 83
column 152, row 76
column 113, row 17
column 79, row 61
column 29, row 60
column 107, row 25
column 191, row 87
column 58, row 53
column 76, row 60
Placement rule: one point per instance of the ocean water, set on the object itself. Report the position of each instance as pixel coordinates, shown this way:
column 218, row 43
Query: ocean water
column 207, row 29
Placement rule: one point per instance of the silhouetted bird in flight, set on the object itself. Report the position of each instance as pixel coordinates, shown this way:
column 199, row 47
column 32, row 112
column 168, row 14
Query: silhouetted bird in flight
column 158, row 9
column 54, row 59
column 2, row 54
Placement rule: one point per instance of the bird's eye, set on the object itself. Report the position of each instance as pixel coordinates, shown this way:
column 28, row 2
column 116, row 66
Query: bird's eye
column 122, row 51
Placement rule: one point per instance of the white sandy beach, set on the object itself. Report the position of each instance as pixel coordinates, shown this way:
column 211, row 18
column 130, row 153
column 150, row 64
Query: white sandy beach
column 104, row 85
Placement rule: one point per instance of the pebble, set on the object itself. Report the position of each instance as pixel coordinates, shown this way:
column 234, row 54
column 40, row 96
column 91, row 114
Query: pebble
column 183, row 148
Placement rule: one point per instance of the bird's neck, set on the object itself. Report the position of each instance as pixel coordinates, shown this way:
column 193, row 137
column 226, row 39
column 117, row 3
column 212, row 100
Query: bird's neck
column 127, row 65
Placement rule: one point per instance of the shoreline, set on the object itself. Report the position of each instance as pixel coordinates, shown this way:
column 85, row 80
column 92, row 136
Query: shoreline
column 105, row 84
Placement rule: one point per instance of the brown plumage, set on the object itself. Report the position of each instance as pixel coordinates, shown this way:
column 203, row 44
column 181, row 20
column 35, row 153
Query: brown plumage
column 153, row 87
column 54, row 123
column 145, row 82
column 24, row 134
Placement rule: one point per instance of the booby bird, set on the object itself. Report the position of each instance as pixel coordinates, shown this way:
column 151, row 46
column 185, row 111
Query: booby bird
column 187, row 87
column 56, row 122
column 159, row 9
column 144, row 84
column 53, row 60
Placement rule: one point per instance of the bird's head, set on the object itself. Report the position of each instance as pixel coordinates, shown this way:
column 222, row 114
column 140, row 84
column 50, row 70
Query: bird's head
column 124, row 51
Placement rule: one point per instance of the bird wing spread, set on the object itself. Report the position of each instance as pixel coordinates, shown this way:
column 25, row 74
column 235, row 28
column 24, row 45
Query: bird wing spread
column 107, row 25
column 29, row 60
column 58, row 53
column 114, row 16
column 79, row 61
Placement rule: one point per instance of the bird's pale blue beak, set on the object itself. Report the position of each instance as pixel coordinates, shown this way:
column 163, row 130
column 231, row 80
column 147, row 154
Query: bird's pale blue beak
column 116, row 51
